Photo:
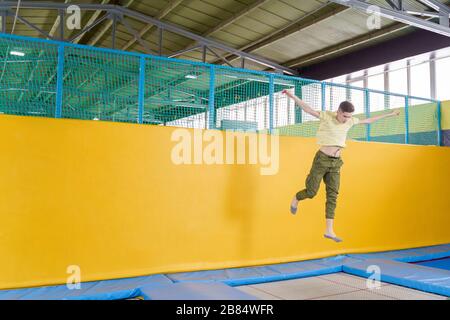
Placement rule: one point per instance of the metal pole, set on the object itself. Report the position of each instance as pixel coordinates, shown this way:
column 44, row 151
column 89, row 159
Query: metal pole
column 4, row 15
column 433, row 75
column 406, row 120
column 387, row 98
column 113, row 32
column 367, row 109
column 59, row 82
column 204, row 54
column 61, row 25
column 211, row 100
column 439, row 125
column 141, row 90
column 271, row 102
column 161, row 33
column 323, row 95
column 298, row 111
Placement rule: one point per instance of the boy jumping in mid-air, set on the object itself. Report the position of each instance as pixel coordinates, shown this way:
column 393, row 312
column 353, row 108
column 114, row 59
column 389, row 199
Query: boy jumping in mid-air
column 327, row 163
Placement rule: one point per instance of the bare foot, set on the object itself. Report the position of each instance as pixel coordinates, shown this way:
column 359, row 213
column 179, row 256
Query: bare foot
column 332, row 236
column 294, row 205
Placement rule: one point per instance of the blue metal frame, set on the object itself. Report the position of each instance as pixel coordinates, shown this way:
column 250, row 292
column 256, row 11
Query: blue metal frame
column 263, row 73
column 141, row 93
column 298, row 112
column 59, row 82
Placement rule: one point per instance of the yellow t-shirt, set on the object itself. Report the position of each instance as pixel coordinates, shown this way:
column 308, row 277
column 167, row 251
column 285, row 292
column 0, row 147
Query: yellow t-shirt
column 331, row 132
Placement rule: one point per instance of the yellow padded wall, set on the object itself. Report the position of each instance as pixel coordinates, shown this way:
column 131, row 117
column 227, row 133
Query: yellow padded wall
column 107, row 198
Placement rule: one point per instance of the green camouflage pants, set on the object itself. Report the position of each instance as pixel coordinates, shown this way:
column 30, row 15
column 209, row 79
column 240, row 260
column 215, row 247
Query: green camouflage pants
column 326, row 168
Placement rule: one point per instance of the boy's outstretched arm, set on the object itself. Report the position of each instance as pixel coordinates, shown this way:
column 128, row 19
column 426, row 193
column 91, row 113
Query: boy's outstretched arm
column 376, row 118
column 302, row 104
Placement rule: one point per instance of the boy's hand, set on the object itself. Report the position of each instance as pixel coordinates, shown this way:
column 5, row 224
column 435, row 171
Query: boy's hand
column 395, row 113
column 286, row 92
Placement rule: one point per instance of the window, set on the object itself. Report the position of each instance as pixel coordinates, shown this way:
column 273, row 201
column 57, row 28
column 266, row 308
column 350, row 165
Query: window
column 398, row 81
column 443, row 79
column 420, row 80
column 376, row 70
column 357, row 74
column 377, row 100
column 357, row 97
column 376, row 82
column 341, row 79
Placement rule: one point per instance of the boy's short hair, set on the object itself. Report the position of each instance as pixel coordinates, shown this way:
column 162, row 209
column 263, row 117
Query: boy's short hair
column 346, row 106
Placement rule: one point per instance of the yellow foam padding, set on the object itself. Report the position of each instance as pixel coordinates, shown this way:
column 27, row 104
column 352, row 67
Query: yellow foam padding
column 445, row 115
column 107, row 197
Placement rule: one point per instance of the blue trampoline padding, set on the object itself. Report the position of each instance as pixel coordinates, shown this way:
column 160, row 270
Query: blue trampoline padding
column 132, row 287
column 405, row 274
column 194, row 291
column 439, row 264
column 98, row 290
column 277, row 272
column 408, row 255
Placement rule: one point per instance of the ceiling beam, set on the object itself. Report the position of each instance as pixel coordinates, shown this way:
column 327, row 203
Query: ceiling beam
column 248, row 9
column 204, row 41
column 91, row 20
column 320, row 14
column 163, row 13
column 56, row 23
column 54, row 5
column 99, row 34
column 121, row 11
column 398, row 15
column 348, row 44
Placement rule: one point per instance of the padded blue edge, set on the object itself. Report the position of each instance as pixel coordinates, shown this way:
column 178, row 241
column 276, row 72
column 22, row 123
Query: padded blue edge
column 194, row 291
column 97, row 290
column 132, row 287
column 277, row 272
column 418, row 277
column 408, row 255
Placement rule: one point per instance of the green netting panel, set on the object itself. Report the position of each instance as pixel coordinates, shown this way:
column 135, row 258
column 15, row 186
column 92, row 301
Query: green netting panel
column 290, row 119
column 391, row 129
column 283, row 107
column 301, row 123
column 241, row 100
column 176, row 93
column 423, row 123
column 311, row 93
column 286, row 113
column 100, row 85
column 27, row 77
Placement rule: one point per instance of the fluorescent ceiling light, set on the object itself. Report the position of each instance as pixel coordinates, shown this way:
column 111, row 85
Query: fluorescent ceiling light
column 17, row 53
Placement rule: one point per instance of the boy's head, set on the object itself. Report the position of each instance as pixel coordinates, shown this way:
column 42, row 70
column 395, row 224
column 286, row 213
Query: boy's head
column 345, row 111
